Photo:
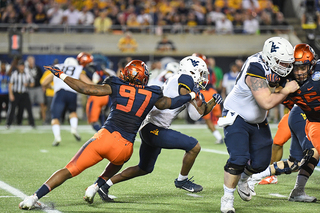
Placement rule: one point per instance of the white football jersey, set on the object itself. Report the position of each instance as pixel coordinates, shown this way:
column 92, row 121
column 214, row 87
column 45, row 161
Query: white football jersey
column 240, row 99
column 164, row 118
column 70, row 70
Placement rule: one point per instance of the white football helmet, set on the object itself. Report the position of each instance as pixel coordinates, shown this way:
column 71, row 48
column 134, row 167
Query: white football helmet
column 173, row 67
column 277, row 52
column 196, row 68
column 71, row 61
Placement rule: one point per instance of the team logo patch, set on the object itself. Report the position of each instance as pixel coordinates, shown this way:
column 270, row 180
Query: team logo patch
column 316, row 76
column 274, row 47
column 194, row 62
column 155, row 132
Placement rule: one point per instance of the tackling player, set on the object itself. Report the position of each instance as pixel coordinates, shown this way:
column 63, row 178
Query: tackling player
column 131, row 102
column 156, row 135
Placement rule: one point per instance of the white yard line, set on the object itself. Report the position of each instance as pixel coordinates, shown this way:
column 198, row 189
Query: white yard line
column 18, row 193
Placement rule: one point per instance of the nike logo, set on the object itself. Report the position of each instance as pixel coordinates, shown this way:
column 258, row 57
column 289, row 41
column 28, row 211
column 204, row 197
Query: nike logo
column 246, row 194
column 190, row 190
column 309, row 88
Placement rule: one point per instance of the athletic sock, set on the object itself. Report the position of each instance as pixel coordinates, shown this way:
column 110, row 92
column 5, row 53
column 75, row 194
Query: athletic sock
column 182, row 177
column 217, row 134
column 74, row 123
column 109, row 182
column 42, row 191
column 263, row 174
column 228, row 191
column 56, row 131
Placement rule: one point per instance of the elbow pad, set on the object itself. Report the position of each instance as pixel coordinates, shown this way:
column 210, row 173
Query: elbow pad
column 193, row 112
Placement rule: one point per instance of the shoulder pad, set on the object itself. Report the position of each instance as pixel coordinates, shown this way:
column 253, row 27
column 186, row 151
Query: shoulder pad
column 186, row 81
column 256, row 69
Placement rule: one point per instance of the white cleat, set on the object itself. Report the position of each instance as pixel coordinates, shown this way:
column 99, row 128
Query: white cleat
column 56, row 142
column 227, row 204
column 90, row 193
column 244, row 190
column 29, row 202
column 76, row 134
column 252, row 183
column 300, row 196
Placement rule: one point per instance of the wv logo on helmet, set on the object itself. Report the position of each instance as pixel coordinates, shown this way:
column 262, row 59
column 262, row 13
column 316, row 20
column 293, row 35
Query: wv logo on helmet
column 274, row 47
column 194, row 62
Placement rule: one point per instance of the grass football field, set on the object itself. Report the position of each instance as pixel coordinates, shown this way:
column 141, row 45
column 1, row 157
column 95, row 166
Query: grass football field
column 27, row 160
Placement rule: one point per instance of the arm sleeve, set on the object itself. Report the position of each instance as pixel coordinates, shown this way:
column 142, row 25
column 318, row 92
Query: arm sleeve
column 193, row 113
column 179, row 101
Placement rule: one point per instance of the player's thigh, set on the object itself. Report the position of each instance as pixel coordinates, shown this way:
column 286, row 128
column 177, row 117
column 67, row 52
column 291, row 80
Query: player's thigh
column 313, row 133
column 283, row 133
column 237, row 141
column 167, row 138
column 260, row 146
column 148, row 156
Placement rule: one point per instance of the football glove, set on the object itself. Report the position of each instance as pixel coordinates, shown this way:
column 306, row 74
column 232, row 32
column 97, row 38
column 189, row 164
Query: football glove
column 196, row 90
column 273, row 79
column 217, row 98
column 55, row 71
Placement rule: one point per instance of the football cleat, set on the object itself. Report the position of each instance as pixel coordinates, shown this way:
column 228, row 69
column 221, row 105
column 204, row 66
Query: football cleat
column 269, row 180
column 244, row 190
column 103, row 193
column 188, row 185
column 56, row 141
column 227, row 204
column 75, row 134
column 29, row 203
column 90, row 193
column 300, row 196
column 251, row 184
column 221, row 141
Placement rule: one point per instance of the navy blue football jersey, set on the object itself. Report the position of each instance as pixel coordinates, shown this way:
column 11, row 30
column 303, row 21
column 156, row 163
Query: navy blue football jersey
column 130, row 105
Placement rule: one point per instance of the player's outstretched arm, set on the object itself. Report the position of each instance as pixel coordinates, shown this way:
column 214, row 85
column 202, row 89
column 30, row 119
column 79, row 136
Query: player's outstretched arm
column 80, row 86
column 172, row 103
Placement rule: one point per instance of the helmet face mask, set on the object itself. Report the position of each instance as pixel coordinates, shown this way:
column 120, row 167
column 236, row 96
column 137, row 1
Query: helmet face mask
column 135, row 72
column 196, row 68
column 277, row 53
column 305, row 59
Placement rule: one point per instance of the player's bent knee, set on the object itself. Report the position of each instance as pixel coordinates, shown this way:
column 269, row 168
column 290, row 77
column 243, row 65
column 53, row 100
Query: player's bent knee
column 255, row 170
column 310, row 160
column 233, row 168
column 196, row 149
column 290, row 165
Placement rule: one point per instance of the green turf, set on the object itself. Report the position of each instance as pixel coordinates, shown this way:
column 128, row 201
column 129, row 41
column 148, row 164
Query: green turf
column 27, row 160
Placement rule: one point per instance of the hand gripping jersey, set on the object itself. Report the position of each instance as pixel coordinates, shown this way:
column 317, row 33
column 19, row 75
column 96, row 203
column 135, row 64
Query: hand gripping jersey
column 308, row 96
column 70, row 70
column 240, row 99
column 164, row 118
column 130, row 105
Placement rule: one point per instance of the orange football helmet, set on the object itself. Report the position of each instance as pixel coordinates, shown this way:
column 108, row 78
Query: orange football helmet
column 305, row 59
column 84, row 58
column 135, row 72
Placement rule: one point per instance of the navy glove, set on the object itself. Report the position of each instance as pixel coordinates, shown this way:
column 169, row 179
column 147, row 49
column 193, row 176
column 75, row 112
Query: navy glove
column 217, row 98
column 196, row 90
column 273, row 79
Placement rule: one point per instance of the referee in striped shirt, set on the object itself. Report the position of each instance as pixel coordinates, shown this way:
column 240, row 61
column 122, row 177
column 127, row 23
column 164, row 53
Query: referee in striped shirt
column 20, row 81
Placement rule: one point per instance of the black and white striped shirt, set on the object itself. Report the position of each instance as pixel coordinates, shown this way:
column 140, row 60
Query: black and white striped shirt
column 19, row 81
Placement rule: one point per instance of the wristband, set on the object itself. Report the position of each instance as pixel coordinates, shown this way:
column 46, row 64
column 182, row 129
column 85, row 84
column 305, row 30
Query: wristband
column 193, row 95
column 63, row 76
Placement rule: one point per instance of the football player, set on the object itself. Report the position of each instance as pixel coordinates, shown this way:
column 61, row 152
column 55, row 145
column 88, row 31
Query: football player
column 65, row 98
column 156, row 135
column 131, row 100
column 171, row 69
column 246, row 129
column 95, row 104
column 212, row 117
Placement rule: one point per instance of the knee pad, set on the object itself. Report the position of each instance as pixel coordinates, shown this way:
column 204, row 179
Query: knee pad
column 253, row 170
column 233, row 168
column 308, row 158
column 287, row 168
